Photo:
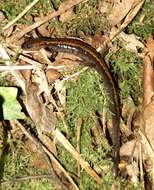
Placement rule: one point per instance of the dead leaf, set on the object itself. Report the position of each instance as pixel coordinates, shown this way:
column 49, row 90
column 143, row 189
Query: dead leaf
column 116, row 185
column 131, row 41
column 129, row 149
column 38, row 160
column 146, row 124
column 136, row 6
column 105, row 7
column 8, row 32
column 28, row 17
column 66, row 59
column 148, row 117
column 148, row 76
column 133, row 172
column 119, row 10
column 69, row 60
column 61, row 92
column 30, row 146
column 67, row 16
column 13, row 30
column 132, row 13
column 16, row 132
column 52, row 75
column 99, row 42
column 150, row 46
column 144, row 146
column 43, row 31
column 25, row 73
column 41, row 114
column 2, row 16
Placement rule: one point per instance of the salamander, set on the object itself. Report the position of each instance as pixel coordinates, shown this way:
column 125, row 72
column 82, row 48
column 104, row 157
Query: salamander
column 93, row 59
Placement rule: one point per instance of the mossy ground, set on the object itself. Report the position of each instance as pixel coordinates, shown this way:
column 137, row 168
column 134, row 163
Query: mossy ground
column 84, row 97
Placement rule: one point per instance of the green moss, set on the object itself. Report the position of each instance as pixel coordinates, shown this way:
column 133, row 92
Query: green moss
column 12, row 8
column 93, row 21
column 84, row 97
column 127, row 66
column 142, row 29
column 67, row 160
column 17, row 164
column 3, row 81
column 87, row 182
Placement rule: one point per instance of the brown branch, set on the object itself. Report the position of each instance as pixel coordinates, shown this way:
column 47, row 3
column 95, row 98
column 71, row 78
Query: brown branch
column 24, row 178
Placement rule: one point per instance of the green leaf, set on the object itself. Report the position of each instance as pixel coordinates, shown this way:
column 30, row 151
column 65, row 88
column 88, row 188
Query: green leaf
column 9, row 106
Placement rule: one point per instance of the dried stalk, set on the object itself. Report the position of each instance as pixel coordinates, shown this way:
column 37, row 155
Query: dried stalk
column 20, row 15
column 44, row 149
column 63, row 9
column 85, row 165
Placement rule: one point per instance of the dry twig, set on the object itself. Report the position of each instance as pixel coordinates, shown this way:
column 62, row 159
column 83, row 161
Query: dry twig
column 128, row 18
column 20, row 15
column 32, row 62
column 69, row 4
column 25, row 178
column 85, row 165
column 43, row 149
column 78, row 128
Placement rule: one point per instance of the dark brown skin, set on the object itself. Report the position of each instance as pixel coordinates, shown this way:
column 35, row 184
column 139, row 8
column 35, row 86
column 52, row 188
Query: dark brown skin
column 92, row 59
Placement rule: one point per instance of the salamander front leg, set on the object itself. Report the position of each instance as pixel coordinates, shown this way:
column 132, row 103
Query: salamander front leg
column 52, row 55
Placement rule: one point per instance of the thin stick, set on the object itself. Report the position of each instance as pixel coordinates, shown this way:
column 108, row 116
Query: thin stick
column 32, row 62
column 17, row 75
column 140, row 162
column 20, row 15
column 85, row 165
column 25, row 67
column 36, row 63
column 37, row 143
column 78, row 128
column 24, row 178
column 40, row 147
column 63, row 9
column 130, row 16
column 75, row 74
column 128, row 19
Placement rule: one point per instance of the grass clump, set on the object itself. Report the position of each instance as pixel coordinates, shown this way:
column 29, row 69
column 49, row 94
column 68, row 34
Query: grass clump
column 15, row 162
column 84, row 96
column 127, row 66
column 91, row 22
column 143, row 24
column 12, row 8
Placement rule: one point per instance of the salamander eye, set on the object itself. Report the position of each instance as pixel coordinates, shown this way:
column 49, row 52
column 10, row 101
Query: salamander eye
column 26, row 45
column 29, row 45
